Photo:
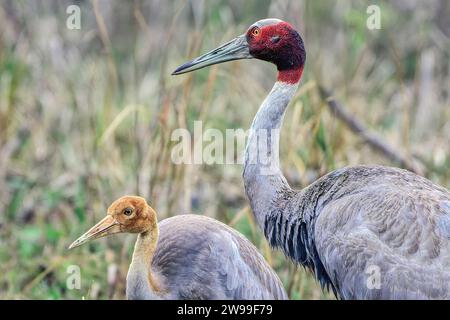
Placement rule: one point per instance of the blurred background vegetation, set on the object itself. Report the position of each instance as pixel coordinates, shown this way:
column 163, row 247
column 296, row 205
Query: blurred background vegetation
column 86, row 116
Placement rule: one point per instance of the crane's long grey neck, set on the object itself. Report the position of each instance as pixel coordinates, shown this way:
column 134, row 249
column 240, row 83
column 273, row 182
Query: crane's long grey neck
column 141, row 282
column 263, row 178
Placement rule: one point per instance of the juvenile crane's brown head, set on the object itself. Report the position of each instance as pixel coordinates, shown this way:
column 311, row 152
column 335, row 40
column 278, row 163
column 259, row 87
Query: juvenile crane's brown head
column 271, row 40
column 128, row 214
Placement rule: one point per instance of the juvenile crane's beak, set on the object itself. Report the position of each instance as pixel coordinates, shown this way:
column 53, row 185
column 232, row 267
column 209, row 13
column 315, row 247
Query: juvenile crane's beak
column 106, row 226
column 233, row 50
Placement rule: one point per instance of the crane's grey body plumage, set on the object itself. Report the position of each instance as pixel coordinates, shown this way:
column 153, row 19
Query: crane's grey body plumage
column 367, row 231
column 359, row 218
column 353, row 224
column 201, row 258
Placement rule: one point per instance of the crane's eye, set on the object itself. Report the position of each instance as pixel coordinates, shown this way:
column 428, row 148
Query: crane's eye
column 255, row 31
column 128, row 211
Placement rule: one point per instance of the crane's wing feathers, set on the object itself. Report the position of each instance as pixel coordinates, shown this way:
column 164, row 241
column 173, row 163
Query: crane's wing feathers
column 385, row 234
column 444, row 219
column 243, row 270
column 203, row 258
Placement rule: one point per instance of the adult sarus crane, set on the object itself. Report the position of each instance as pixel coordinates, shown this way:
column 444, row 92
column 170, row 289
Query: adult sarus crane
column 186, row 257
column 368, row 232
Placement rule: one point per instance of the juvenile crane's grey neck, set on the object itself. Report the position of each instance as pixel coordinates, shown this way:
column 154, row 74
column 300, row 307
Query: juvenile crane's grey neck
column 142, row 283
column 263, row 178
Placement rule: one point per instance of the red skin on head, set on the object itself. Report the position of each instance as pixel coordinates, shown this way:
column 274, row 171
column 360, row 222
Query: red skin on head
column 282, row 45
column 290, row 76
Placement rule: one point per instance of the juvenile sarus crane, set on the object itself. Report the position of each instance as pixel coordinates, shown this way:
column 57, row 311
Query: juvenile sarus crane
column 186, row 257
column 368, row 232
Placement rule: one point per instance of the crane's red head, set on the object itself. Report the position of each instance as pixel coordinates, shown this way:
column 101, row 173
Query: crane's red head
column 276, row 41
column 128, row 214
column 270, row 40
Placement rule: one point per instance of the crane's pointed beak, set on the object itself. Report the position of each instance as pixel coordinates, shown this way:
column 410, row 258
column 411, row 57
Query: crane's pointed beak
column 106, row 226
column 233, row 50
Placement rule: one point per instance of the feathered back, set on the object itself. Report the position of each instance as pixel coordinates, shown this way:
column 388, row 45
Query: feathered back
column 201, row 257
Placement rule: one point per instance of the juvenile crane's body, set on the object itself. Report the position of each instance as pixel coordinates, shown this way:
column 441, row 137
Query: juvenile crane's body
column 187, row 257
column 366, row 232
